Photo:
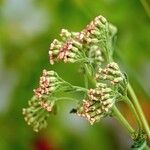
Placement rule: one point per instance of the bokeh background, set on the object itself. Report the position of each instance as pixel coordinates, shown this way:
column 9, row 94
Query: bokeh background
column 27, row 27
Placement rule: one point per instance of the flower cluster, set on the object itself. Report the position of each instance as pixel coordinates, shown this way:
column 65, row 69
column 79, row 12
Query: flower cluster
column 91, row 43
column 99, row 102
column 113, row 76
column 68, row 50
column 93, row 49
column 49, row 82
column 42, row 103
column 101, row 99
column 34, row 115
column 93, row 31
column 92, row 46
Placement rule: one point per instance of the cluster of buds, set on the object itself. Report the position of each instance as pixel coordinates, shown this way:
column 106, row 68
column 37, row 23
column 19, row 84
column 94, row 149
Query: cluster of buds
column 90, row 110
column 68, row 50
column 49, row 82
column 47, row 104
column 113, row 77
column 92, row 45
column 111, row 73
column 74, row 45
column 98, row 104
column 35, row 115
column 97, row 34
column 95, row 30
column 42, row 104
column 100, row 100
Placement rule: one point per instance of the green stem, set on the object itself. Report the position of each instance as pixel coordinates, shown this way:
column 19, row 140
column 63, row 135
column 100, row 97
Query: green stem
column 125, row 123
column 89, row 74
column 85, row 83
column 132, row 108
column 80, row 89
column 65, row 98
column 122, row 120
column 76, row 88
column 139, row 110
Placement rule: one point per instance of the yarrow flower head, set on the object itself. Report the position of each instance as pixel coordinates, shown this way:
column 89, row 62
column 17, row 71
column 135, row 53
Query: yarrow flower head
column 93, row 49
column 68, row 50
column 98, row 35
column 43, row 102
column 113, row 76
column 91, row 44
column 35, row 115
column 49, row 82
column 111, row 84
column 98, row 104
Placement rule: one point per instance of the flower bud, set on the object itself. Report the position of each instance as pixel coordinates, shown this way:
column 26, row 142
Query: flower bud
column 65, row 33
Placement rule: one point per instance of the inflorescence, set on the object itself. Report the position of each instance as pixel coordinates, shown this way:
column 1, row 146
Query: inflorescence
column 101, row 99
column 91, row 48
column 42, row 103
column 92, row 44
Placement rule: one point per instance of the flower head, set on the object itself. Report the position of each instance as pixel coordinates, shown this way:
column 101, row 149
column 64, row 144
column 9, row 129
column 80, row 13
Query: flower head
column 68, row 50
column 93, row 42
column 49, row 82
column 111, row 84
column 112, row 74
column 47, row 103
column 35, row 115
column 94, row 30
column 97, row 105
column 113, row 77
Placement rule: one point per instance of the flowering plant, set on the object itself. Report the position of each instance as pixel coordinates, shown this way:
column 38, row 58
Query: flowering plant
column 93, row 49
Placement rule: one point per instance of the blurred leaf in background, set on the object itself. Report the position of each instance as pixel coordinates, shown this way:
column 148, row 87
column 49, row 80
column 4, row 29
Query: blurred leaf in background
column 26, row 30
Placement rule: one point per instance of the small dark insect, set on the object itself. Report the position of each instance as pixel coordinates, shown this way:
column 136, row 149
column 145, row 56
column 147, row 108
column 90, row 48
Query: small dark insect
column 73, row 110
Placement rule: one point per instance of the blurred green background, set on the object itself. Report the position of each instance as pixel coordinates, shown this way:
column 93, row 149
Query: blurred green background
column 27, row 27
